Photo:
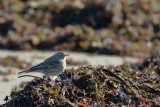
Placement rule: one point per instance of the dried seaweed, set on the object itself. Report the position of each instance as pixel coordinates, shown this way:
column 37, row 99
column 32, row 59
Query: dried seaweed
column 94, row 86
column 81, row 25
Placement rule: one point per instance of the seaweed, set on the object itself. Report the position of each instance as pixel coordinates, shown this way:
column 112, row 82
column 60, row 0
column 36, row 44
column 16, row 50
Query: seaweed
column 89, row 85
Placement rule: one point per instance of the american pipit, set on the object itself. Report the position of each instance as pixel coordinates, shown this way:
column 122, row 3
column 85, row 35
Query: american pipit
column 52, row 66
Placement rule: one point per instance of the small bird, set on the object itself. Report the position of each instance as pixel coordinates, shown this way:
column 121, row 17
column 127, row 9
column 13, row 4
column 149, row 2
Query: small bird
column 52, row 66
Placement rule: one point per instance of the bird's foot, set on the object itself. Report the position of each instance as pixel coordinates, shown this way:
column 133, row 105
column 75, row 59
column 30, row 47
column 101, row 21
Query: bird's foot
column 47, row 78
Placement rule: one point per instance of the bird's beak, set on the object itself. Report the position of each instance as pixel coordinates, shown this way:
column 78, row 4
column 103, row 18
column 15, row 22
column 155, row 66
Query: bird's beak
column 66, row 54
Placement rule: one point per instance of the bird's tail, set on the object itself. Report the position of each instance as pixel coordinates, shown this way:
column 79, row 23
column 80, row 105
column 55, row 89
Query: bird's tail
column 23, row 72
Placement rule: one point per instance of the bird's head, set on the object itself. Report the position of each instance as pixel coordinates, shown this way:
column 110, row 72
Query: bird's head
column 60, row 55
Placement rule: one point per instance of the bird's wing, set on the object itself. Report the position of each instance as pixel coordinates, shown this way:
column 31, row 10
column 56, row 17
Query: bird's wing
column 49, row 60
column 41, row 66
column 45, row 65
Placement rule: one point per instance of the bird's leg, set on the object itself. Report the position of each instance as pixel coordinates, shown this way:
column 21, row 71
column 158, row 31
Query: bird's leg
column 44, row 76
column 47, row 77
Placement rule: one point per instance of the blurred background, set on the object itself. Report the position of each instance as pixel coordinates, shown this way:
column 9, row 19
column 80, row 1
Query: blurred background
column 97, row 32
